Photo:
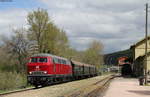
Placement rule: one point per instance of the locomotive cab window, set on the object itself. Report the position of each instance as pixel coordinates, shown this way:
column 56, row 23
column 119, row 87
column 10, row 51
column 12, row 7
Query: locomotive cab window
column 42, row 59
column 63, row 62
column 55, row 60
column 59, row 61
column 34, row 60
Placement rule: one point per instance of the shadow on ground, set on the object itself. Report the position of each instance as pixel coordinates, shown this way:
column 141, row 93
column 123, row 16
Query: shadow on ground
column 141, row 92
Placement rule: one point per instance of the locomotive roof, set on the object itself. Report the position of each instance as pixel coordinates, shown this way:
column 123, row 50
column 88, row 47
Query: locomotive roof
column 47, row 55
column 81, row 64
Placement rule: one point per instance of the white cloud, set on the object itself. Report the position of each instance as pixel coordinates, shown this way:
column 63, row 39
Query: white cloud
column 10, row 19
column 117, row 23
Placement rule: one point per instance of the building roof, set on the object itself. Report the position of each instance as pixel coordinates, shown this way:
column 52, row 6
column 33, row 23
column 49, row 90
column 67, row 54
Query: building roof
column 140, row 42
column 46, row 55
column 81, row 64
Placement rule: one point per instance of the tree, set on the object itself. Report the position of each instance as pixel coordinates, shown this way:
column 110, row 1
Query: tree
column 16, row 50
column 61, row 44
column 93, row 55
column 49, row 37
column 55, row 40
column 38, row 22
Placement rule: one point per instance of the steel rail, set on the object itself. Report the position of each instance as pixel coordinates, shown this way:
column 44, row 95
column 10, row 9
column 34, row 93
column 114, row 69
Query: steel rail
column 91, row 93
column 15, row 91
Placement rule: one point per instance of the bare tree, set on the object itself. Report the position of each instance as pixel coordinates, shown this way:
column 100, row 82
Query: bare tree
column 17, row 48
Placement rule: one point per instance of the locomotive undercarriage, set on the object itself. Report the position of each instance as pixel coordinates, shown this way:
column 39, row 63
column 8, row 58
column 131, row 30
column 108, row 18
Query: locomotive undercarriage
column 44, row 80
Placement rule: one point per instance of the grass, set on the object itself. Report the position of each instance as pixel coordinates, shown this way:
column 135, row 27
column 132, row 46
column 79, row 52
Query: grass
column 12, row 80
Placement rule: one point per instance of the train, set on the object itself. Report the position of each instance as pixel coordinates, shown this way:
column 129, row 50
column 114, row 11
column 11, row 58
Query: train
column 44, row 69
column 126, row 66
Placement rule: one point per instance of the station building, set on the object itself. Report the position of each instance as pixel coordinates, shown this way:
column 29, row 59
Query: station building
column 138, row 50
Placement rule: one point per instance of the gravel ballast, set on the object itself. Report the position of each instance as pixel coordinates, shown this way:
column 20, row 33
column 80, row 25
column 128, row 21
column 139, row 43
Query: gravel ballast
column 58, row 90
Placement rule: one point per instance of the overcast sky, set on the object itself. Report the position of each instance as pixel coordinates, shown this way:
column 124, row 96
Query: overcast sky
column 118, row 24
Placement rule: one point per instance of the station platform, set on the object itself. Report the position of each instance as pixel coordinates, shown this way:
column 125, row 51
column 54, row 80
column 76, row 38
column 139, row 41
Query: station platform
column 127, row 87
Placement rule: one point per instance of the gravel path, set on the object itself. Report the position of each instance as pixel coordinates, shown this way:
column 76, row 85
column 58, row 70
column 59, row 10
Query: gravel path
column 57, row 90
column 127, row 87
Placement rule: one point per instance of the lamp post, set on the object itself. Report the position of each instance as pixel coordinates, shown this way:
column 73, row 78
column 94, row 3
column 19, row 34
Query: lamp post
column 146, row 38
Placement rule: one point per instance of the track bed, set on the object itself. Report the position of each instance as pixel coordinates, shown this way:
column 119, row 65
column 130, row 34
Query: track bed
column 61, row 90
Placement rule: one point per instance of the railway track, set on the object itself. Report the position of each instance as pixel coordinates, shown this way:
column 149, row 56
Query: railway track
column 98, row 92
column 94, row 90
column 15, row 91
column 27, row 89
column 87, row 91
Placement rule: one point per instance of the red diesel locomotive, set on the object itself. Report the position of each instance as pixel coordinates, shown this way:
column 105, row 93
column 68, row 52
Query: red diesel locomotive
column 44, row 69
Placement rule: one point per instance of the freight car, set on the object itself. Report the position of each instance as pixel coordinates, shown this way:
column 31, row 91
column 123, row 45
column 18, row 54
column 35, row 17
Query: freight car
column 44, row 69
column 82, row 70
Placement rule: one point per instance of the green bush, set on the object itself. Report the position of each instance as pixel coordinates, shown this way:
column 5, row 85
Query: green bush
column 12, row 80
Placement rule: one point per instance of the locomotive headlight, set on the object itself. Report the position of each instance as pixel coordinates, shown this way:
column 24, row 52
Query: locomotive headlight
column 30, row 72
column 45, row 72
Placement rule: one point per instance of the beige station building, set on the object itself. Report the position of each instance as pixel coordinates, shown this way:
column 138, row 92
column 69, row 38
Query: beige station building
column 139, row 56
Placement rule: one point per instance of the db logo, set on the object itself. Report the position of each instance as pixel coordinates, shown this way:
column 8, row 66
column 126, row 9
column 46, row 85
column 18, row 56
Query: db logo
column 37, row 68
